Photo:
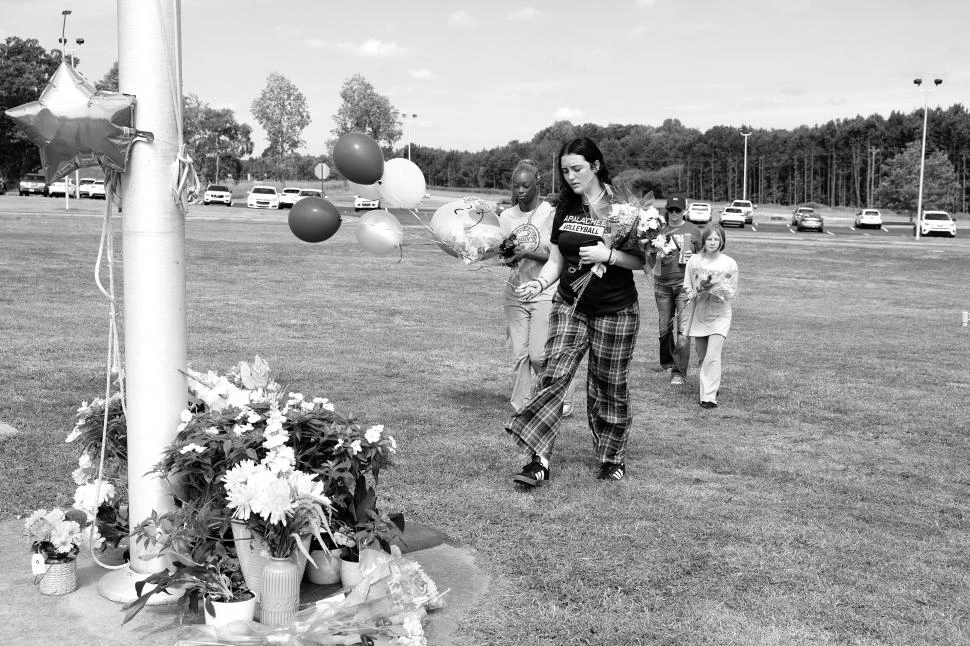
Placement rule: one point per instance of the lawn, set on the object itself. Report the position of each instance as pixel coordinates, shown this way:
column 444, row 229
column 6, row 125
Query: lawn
column 824, row 502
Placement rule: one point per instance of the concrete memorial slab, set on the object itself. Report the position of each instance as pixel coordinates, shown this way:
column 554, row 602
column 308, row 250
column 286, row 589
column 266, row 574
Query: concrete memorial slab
column 84, row 618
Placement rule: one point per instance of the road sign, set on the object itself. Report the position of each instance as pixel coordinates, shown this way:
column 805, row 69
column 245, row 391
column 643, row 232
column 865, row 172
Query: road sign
column 322, row 171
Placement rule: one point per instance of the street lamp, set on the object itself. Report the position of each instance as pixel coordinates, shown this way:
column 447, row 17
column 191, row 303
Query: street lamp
column 922, row 156
column 62, row 40
column 408, row 118
column 744, row 181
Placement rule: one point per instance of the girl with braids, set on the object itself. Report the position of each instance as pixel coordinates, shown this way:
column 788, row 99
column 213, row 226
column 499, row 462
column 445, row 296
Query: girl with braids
column 602, row 319
column 526, row 227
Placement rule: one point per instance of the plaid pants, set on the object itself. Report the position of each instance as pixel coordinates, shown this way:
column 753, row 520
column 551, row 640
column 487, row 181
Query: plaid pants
column 610, row 340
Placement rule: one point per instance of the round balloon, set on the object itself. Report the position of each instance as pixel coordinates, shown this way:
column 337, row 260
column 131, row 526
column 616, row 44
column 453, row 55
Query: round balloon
column 469, row 228
column 402, row 185
column 314, row 219
column 358, row 158
column 370, row 191
column 379, row 232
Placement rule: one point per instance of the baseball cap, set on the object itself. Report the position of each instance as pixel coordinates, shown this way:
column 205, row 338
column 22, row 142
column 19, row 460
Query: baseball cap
column 676, row 202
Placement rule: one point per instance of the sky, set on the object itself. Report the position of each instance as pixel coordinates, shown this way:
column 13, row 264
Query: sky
column 482, row 74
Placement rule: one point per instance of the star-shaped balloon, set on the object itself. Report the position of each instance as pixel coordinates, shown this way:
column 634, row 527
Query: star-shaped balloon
column 77, row 126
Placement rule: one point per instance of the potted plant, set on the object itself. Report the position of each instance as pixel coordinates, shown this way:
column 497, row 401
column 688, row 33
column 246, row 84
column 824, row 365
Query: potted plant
column 361, row 525
column 216, row 581
column 56, row 538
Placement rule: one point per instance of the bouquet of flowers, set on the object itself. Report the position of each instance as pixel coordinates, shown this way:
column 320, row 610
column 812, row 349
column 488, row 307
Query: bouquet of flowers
column 102, row 497
column 58, row 535
column 630, row 225
column 282, row 504
column 387, row 608
column 716, row 283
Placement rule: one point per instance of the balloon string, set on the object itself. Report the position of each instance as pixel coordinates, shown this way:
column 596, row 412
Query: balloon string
column 114, row 362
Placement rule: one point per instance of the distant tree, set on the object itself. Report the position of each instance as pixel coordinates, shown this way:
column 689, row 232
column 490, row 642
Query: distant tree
column 109, row 82
column 216, row 142
column 899, row 186
column 25, row 69
column 364, row 110
column 281, row 109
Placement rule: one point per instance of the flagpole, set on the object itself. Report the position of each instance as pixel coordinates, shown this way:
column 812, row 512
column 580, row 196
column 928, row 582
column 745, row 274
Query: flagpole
column 153, row 241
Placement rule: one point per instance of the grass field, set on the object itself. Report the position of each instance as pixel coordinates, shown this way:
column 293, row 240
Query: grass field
column 824, row 502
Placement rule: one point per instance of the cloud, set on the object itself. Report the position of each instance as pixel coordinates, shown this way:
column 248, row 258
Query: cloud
column 568, row 114
column 315, row 43
column 373, row 48
column 646, row 3
column 422, row 74
column 462, row 18
column 525, row 14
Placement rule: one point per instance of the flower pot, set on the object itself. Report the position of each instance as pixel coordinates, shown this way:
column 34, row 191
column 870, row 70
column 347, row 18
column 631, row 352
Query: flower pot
column 253, row 555
column 59, row 577
column 325, row 569
column 280, row 597
column 350, row 574
column 227, row 612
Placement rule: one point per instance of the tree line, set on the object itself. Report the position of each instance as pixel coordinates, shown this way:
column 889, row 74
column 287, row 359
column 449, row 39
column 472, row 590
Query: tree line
column 858, row 162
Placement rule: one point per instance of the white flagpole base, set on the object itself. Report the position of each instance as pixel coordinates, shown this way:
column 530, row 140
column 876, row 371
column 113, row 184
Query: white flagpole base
column 119, row 585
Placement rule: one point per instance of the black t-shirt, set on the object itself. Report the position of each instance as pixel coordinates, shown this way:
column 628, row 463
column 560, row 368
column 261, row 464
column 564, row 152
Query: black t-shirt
column 610, row 292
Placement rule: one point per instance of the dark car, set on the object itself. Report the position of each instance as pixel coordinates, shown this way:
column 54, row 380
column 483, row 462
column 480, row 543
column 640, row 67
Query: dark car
column 811, row 221
column 33, row 184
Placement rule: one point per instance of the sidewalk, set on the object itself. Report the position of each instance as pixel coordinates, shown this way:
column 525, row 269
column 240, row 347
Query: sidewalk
column 84, row 618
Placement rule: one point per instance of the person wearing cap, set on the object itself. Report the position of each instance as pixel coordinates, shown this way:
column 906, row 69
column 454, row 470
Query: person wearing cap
column 667, row 268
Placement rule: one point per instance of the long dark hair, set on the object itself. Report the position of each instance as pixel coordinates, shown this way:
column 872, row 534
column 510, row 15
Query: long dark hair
column 569, row 201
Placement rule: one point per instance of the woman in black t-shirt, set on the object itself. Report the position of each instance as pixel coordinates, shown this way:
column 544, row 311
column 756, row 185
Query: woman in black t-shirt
column 595, row 310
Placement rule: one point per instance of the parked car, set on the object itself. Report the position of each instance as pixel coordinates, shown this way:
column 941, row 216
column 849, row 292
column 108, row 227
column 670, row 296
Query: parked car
column 83, row 185
column 60, row 187
column 3, row 186
column 747, row 208
column 798, row 213
column 217, row 193
column 868, row 218
column 96, row 190
column 811, row 221
column 937, row 223
column 33, row 184
column 288, row 197
column 363, row 203
column 733, row 216
column 263, row 197
column 699, row 213
column 308, row 192
column 501, row 205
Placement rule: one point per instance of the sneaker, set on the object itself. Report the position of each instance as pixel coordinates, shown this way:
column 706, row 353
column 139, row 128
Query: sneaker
column 708, row 404
column 532, row 474
column 567, row 409
column 611, row 471
column 677, row 380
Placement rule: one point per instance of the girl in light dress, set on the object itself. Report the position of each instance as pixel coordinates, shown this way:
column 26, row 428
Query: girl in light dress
column 711, row 282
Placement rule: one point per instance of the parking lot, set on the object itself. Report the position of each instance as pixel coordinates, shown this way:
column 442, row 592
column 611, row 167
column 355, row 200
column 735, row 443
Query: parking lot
column 769, row 224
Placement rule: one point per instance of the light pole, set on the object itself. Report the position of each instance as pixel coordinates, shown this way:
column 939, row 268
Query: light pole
column 408, row 118
column 922, row 155
column 744, row 180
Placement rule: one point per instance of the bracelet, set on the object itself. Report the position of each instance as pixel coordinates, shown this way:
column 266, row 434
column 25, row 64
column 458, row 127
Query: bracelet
column 542, row 283
column 611, row 259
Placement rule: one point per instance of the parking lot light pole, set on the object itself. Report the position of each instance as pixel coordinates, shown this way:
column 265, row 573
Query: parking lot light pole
column 922, row 155
column 744, row 175
column 408, row 119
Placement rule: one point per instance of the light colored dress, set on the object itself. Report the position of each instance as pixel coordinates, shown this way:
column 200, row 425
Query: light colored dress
column 712, row 305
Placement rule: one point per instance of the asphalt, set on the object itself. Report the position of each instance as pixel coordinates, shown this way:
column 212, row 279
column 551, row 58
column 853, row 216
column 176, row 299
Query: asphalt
column 84, row 618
